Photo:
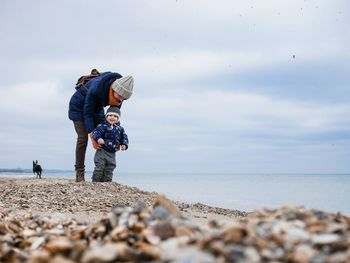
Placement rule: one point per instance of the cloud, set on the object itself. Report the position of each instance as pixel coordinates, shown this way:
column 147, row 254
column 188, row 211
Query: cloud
column 216, row 85
column 203, row 118
column 185, row 121
column 34, row 99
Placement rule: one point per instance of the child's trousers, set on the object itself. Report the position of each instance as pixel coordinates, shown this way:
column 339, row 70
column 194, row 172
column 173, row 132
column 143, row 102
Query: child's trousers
column 105, row 164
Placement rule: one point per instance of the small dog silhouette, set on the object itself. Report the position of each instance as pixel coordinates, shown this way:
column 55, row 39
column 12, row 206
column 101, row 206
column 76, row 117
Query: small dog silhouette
column 37, row 169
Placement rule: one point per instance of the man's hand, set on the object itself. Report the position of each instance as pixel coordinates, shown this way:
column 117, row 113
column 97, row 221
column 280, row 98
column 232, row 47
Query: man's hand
column 101, row 141
column 123, row 147
column 94, row 143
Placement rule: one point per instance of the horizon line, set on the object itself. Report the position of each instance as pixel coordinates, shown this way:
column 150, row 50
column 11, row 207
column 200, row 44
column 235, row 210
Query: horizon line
column 24, row 170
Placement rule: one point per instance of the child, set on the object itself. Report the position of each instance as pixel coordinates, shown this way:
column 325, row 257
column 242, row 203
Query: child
column 112, row 138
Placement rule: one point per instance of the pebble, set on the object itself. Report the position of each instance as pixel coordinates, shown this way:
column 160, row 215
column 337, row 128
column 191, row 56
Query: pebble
column 157, row 231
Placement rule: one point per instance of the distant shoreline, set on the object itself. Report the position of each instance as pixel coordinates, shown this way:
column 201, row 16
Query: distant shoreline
column 29, row 170
column 20, row 170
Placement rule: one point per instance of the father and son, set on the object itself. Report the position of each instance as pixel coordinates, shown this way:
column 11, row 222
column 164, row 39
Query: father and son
column 86, row 110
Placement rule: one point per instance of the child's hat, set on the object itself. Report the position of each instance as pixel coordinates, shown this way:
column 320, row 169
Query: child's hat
column 124, row 86
column 115, row 110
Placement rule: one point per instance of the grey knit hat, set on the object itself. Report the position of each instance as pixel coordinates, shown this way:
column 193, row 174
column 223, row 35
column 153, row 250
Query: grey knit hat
column 124, row 86
column 113, row 109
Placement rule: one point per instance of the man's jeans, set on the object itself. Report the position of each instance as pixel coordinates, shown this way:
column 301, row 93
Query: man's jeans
column 80, row 149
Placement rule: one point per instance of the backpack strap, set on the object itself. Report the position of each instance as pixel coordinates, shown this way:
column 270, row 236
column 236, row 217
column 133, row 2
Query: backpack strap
column 83, row 79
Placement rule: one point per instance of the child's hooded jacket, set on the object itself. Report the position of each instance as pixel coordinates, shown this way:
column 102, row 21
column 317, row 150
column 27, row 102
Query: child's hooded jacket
column 113, row 135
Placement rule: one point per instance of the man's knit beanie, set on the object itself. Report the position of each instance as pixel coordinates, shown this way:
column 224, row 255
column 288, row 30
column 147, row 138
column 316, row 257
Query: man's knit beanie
column 115, row 110
column 124, row 86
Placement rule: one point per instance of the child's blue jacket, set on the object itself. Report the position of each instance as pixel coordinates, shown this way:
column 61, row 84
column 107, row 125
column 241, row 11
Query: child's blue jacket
column 87, row 102
column 113, row 135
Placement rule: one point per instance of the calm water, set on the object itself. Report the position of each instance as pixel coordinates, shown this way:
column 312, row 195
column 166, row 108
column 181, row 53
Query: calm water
column 241, row 191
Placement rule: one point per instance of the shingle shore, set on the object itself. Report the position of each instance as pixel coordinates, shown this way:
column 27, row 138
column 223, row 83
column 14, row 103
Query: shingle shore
column 66, row 196
column 154, row 229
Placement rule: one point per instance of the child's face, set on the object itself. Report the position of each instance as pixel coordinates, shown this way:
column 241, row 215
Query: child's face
column 112, row 118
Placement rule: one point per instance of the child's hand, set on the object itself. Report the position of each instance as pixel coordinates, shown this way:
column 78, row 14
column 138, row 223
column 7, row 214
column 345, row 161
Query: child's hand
column 101, row 141
column 123, row 147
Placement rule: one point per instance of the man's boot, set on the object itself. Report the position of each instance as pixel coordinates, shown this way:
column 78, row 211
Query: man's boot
column 79, row 176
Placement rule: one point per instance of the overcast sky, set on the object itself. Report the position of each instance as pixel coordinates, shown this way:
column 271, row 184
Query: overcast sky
column 220, row 86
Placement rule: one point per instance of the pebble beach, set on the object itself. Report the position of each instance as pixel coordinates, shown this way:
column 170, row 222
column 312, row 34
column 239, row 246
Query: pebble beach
column 58, row 220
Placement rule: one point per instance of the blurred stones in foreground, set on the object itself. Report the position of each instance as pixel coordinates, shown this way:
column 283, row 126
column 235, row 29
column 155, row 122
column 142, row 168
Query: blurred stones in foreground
column 159, row 233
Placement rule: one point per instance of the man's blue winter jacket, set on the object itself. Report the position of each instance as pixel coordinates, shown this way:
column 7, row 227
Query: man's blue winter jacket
column 87, row 102
column 113, row 135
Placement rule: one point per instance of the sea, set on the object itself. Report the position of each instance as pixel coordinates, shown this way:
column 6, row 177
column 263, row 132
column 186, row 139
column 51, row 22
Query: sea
column 246, row 192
